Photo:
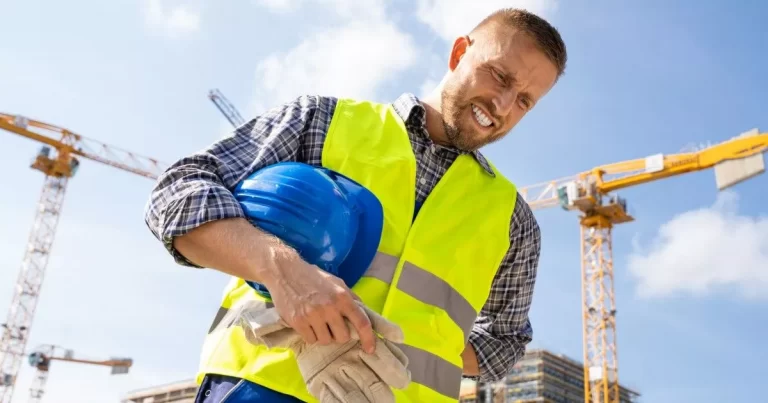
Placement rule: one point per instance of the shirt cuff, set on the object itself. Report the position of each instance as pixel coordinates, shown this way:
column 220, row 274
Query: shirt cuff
column 199, row 206
column 496, row 356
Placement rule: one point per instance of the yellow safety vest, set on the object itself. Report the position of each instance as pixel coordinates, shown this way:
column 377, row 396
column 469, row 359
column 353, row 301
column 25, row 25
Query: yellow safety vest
column 431, row 276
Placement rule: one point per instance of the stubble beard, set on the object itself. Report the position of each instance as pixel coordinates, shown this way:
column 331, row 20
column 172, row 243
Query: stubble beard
column 453, row 107
column 451, row 112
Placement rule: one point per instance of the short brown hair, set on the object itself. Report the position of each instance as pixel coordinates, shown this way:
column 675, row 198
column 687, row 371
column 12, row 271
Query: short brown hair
column 547, row 38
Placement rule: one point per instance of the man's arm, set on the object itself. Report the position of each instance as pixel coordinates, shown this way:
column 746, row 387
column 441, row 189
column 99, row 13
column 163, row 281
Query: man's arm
column 502, row 330
column 193, row 212
column 196, row 190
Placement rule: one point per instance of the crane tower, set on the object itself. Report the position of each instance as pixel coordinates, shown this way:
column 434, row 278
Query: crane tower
column 590, row 193
column 58, row 160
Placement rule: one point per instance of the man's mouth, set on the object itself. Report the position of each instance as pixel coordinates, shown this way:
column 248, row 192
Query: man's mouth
column 482, row 118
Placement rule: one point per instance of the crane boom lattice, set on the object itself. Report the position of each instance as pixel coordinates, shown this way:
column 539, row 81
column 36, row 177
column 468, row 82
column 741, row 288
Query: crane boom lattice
column 43, row 356
column 734, row 161
column 227, row 109
column 58, row 161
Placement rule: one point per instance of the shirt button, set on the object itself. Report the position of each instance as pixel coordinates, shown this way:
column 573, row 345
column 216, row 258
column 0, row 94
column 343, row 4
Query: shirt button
column 423, row 181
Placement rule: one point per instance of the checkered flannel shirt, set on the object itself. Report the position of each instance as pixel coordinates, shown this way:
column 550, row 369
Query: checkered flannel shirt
column 197, row 189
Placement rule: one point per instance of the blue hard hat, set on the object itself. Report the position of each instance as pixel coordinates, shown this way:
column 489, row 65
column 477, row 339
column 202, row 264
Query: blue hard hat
column 332, row 221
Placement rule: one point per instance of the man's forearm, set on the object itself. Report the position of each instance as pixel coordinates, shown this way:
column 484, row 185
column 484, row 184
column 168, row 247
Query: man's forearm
column 471, row 367
column 236, row 247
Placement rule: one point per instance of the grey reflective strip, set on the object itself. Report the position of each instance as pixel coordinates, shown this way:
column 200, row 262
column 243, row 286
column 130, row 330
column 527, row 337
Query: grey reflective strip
column 433, row 290
column 426, row 287
column 433, row 371
column 382, row 267
column 223, row 312
column 219, row 316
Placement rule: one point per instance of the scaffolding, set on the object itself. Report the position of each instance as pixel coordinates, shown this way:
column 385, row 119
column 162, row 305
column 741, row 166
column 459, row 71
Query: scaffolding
column 541, row 377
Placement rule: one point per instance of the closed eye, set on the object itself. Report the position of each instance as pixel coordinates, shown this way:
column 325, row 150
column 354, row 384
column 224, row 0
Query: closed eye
column 526, row 102
column 498, row 76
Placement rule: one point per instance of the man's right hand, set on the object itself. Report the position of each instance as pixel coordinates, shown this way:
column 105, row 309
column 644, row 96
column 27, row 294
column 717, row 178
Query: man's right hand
column 309, row 299
column 315, row 303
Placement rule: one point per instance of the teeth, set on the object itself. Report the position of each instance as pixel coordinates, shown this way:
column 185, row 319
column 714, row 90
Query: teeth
column 481, row 117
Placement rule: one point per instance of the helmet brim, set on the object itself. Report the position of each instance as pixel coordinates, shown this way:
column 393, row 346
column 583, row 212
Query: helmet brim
column 368, row 237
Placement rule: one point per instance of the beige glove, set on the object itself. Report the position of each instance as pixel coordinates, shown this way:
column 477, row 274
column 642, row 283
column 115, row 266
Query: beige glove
column 337, row 373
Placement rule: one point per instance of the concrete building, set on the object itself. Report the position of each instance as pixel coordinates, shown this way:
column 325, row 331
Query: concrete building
column 540, row 377
column 177, row 392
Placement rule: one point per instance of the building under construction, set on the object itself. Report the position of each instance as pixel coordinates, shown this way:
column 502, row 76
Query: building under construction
column 177, row 392
column 540, row 377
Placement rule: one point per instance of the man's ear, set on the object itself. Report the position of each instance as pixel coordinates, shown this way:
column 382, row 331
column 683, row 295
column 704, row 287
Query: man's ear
column 458, row 51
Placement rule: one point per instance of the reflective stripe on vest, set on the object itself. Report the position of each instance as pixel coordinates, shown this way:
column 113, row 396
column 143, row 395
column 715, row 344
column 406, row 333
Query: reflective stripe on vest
column 431, row 276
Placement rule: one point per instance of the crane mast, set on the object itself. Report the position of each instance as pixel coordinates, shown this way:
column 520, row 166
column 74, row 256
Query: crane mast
column 57, row 160
column 734, row 161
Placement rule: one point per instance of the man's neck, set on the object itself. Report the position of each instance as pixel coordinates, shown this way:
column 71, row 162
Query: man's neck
column 434, row 117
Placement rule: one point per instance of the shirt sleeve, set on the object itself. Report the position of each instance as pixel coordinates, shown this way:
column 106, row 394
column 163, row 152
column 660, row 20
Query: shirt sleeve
column 503, row 330
column 197, row 188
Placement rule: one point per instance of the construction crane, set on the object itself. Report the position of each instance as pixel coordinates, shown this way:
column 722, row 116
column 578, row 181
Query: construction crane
column 58, row 161
column 734, row 161
column 226, row 108
column 43, row 356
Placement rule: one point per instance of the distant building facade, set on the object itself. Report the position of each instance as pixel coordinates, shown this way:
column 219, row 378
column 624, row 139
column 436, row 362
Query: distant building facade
column 539, row 377
column 177, row 392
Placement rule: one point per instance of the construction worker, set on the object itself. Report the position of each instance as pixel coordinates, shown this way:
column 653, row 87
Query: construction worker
column 457, row 260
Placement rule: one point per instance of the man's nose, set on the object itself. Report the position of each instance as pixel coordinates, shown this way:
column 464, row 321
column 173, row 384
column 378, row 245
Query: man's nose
column 505, row 101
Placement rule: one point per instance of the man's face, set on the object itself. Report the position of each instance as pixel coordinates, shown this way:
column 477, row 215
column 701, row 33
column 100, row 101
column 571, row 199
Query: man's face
column 494, row 82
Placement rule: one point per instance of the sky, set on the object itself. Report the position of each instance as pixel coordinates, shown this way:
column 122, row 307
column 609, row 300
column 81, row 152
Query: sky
column 691, row 272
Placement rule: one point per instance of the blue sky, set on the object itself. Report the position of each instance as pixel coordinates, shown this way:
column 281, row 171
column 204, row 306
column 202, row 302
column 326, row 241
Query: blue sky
column 643, row 78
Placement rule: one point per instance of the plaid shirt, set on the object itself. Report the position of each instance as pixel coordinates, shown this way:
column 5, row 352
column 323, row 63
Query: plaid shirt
column 196, row 189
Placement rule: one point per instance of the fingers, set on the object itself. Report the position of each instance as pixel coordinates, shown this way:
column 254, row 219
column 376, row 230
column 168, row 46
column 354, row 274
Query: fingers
column 316, row 305
column 339, row 329
column 352, row 311
column 356, row 315
column 320, row 327
column 305, row 330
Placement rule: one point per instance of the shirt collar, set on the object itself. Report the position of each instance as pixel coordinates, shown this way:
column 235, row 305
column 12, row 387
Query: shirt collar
column 410, row 109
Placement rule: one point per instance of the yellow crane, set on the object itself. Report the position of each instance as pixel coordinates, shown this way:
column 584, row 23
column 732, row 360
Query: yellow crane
column 58, row 161
column 42, row 357
column 734, row 161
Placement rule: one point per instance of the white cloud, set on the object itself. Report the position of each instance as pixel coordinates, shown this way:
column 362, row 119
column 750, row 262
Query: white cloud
column 705, row 250
column 451, row 18
column 351, row 59
column 172, row 21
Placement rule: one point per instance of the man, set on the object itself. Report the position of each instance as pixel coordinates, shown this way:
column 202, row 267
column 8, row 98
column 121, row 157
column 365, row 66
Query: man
column 496, row 74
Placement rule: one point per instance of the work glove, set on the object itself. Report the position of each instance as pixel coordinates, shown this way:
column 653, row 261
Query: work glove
column 338, row 372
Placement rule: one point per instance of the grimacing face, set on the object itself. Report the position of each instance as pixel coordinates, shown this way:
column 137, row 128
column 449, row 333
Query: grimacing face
column 494, row 81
